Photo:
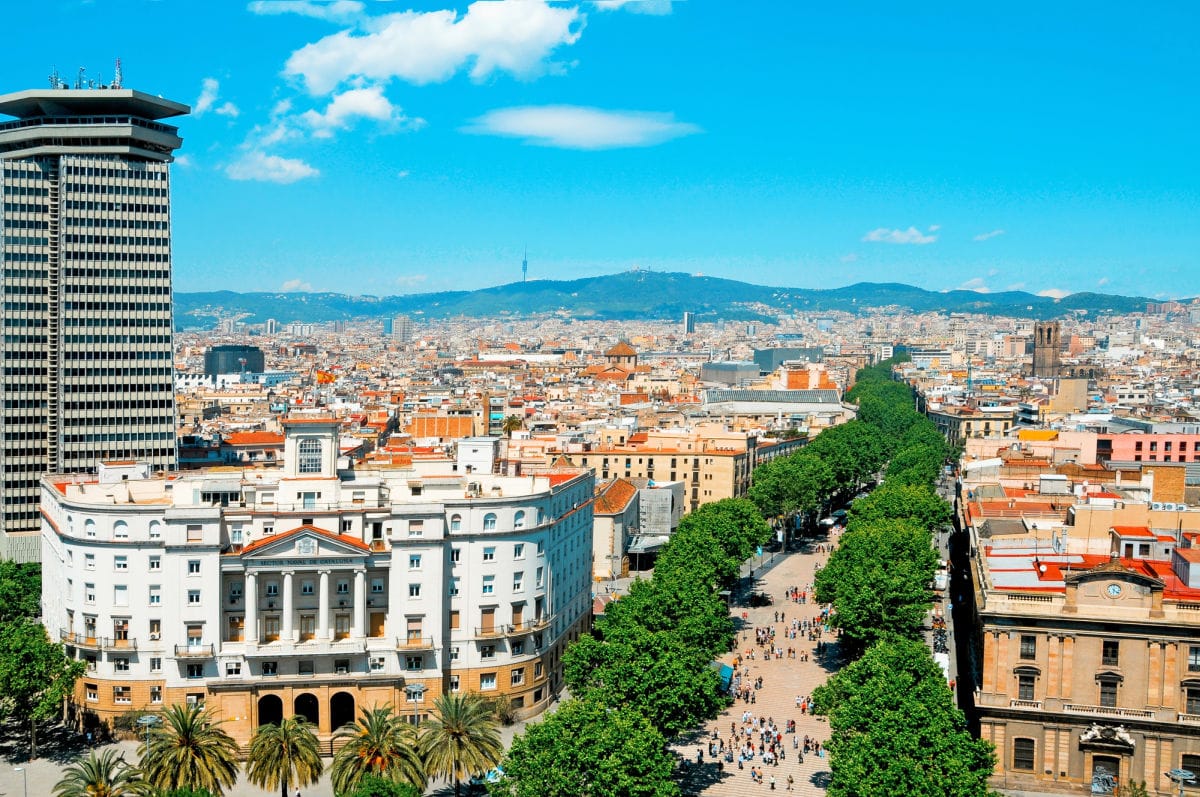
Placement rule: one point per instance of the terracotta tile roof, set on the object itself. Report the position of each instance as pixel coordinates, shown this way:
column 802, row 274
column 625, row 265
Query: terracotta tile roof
column 1132, row 531
column 274, row 538
column 614, row 497
column 253, row 438
column 622, row 349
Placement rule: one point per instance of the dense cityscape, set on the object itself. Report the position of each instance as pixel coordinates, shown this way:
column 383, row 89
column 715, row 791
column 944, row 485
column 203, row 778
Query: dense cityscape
column 642, row 534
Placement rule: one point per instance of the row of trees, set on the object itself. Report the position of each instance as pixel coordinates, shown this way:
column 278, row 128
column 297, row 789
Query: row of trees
column 894, row 726
column 644, row 675
column 380, row 755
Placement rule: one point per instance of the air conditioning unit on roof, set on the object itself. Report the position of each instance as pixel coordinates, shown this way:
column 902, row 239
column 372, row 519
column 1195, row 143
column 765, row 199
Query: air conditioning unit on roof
column 1156, row 505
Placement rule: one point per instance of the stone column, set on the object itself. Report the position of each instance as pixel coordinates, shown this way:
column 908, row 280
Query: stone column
column 285, row 625
column 250, row 596
column 360, row 604
column 323, row 607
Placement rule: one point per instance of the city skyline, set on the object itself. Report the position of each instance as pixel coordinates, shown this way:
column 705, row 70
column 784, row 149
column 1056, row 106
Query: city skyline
column 424, row 150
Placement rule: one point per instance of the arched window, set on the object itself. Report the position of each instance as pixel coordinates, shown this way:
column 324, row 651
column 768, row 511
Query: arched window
column 310, row 456
column 489, row 521
column 121, row 530
column 155, row 530
column 456, row 522
column 89, row 528
column 519, row 519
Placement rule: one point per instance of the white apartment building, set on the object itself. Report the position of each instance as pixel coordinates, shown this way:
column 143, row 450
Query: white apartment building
column 317, row 588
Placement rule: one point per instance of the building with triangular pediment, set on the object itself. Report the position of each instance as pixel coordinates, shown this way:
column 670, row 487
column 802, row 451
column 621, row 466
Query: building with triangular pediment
column 319, row 587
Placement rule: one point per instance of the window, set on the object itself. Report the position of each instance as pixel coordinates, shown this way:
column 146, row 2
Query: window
column 1023, row 754
column 304, row 667
column 1192, row 764
column 341, row 666
column 121, row 665
column 1025, row 686
column 89, row 527
column 537, row 670
column 155, row 595
column 195, row 533
column 489, row 585
column 193, row 567
column 487, row 681
column 519, row 520
column 194, row 698
column 156, row 694
column 1110, row 654
column 454, row 653
column 195, row 671
column 120, row 563
column 487, row 651
column 377, row 663
column 272, row 589
column 155, row 664
column 155, row 530
column 1192, row 700
column 90, row 691
column 1108, row 692
column 454, row 687
column 518, row 648
column 489, row 521
column 233, row 668
column 1028, row 646
column 377, row 586
column 120, row 595
column 518, row 676
column 270, row 668
column 455, row 555
column 89, row 561
column 456, row 522
column 538, row 583
column 155, row 563
column 306, row 588
column 519, row 582
column 541, row 548
column 519, row 551
column 489, row 554
column 454, row 587
column 193, row 597
column 413, row 663
column 268, row 531
column 455, row 619
column 1194, row 658
column 122, row 694
column 414, row 590
column 347, row 526
column 414, row 561
column 343, row 587
column 310, row 456
column 416, row 528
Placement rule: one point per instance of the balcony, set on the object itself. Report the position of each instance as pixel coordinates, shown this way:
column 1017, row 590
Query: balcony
column 1191, row 719
column 414, row 643
column 1108, row 711
column 1028, row 704
column 96, row 642
column 492, row 632
column 195, row 651
column 308, row 647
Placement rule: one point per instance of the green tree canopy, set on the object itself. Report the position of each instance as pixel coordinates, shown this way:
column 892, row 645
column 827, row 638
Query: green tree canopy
column 895, row 729
column 916, row 464
column 790, row 485
column 375, row 786
column 672, row 685
column 20, row 590
column 854, row 451
column 585, row 749
column 915, row 502
column 674, row 604
column 460, row 737
column 287, row 753
column 190, row 750
column 878, row 581
column 100, row 774
column 35, row 675
column 379, row 743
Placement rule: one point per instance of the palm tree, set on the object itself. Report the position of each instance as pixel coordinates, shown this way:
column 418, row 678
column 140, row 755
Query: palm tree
column 382, row 743
column 460, row 737
column 107, row 774
column 511, row 424
column 284, row 753
column 190, row 750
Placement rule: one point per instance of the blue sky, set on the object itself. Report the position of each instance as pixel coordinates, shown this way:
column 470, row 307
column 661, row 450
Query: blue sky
column 403, row 147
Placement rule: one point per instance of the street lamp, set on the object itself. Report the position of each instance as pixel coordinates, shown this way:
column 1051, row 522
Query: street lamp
column 24, row 780
column 148, row 721
column 1181, row 776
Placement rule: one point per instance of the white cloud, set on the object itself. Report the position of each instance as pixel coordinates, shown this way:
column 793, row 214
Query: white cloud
column 934, row 227
column 983, row 236
column 296, row 285
column 1054, row 293
column 577, row 127
column 514, row 36
column 210, row 89
column 184, row 160
column 977, row 284
column 367, row 103
column 411, row 280
column 1100, row 283
column 910, row 236
column 258, row 165
column 655, row 7
column 335, row 11
column 402, row 173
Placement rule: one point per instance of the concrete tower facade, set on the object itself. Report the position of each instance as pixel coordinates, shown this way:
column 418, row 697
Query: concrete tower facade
column 1047, row 349
column 85, row 254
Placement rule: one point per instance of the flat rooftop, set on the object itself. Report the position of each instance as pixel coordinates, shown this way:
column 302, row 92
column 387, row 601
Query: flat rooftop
column 88, row 102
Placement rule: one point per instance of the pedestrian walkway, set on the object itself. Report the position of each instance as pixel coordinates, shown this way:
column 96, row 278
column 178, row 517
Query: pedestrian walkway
column 783, row 681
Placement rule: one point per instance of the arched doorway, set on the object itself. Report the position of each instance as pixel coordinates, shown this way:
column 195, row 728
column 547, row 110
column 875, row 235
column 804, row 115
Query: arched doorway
column 270, row 710
column 341, row 710
column 306, row 706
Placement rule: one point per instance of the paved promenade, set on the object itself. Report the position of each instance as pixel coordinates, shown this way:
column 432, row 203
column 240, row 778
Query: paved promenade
column 783, row 680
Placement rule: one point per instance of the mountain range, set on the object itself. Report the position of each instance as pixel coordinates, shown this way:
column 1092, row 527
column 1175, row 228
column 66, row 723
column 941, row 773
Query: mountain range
column 636, row 294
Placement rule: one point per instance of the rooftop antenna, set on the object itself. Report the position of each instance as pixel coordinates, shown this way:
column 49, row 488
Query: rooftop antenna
column 79, row 79
column 116, row 84
column 525, row 265
column 54, row 79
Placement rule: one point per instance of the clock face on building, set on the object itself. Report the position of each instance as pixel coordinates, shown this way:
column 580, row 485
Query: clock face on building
column 1114, row 590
